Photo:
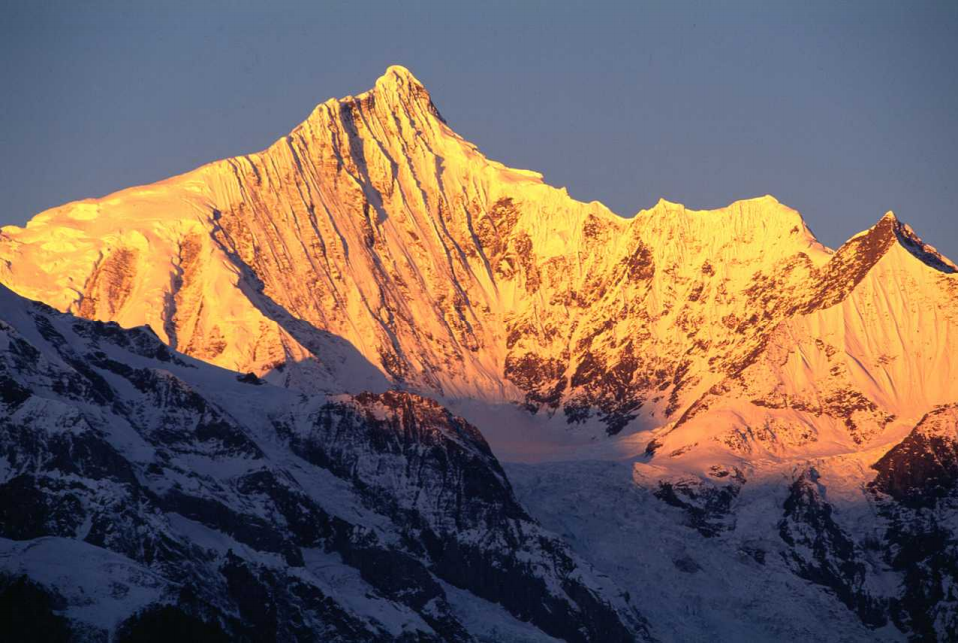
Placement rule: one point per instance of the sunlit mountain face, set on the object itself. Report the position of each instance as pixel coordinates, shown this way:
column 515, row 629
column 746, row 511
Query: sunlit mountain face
column 368, row 384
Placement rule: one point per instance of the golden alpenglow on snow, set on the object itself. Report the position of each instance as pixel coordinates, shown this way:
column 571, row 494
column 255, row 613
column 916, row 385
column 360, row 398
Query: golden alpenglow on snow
column 701, row 425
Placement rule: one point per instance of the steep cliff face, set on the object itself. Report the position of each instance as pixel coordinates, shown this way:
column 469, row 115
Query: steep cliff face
column 134, row 480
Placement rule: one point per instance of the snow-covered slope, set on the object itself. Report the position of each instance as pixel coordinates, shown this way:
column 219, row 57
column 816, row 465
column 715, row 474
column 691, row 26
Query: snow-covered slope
column 132, row 478
column 730, row 382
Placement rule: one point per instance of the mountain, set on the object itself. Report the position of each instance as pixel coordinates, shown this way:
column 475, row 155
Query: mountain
column 741, row 428
column 135, row 478
column 373, row 247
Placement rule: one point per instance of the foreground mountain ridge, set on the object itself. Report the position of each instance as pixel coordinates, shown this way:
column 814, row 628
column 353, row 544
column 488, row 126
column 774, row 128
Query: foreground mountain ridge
column 743, row 428
column 133, row 478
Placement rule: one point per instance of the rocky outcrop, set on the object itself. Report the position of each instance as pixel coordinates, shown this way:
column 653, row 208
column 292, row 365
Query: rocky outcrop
column 923, row 467
column 707, row 504
column 822, row 552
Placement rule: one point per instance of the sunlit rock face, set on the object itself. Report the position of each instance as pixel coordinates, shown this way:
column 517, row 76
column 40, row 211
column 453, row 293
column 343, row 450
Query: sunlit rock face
column 737, row 401
column 374, row 247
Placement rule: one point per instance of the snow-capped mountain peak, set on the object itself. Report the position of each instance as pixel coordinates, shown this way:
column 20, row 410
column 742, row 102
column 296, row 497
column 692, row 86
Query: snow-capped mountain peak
column 373, row 247
column 727, row 373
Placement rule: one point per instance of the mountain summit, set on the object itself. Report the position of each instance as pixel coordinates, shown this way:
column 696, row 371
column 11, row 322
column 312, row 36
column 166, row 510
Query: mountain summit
column 399, row 85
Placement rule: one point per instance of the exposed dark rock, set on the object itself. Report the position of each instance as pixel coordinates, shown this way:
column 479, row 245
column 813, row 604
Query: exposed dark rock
column 923, row 467
column 822, row 552
column 163, row 623
column 11, row 393
column 708, row 506
column 32, row 508
column 28, row 613
column 543, row 380
column 250, row 378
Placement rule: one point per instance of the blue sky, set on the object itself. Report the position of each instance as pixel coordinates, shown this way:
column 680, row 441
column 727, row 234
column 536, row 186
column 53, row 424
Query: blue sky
column 842, row 110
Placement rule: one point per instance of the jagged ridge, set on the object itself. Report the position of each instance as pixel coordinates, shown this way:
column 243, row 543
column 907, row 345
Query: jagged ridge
column 372, row 246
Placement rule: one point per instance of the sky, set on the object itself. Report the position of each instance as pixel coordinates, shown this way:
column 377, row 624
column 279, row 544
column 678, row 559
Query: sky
column 841, row 110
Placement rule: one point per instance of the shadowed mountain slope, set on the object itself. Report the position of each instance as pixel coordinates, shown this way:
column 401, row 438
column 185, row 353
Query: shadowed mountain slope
column 133, row 478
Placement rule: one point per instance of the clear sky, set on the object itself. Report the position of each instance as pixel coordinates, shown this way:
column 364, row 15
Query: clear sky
column 840, row 110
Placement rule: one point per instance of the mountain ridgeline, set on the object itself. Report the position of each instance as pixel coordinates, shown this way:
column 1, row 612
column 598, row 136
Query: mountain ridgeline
column 373, row 247
column 243, row 409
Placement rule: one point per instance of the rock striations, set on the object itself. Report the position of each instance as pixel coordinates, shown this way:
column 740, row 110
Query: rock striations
column 373, row 247
column 780, row 411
